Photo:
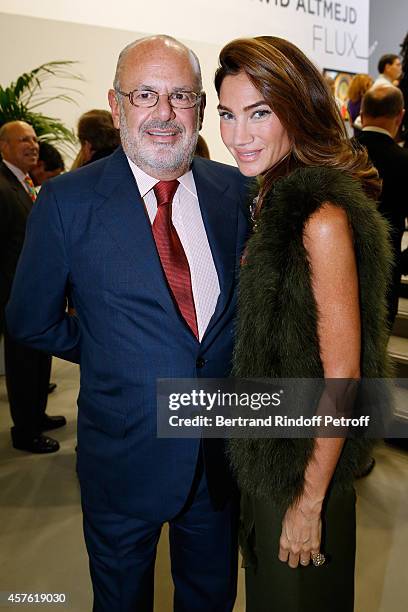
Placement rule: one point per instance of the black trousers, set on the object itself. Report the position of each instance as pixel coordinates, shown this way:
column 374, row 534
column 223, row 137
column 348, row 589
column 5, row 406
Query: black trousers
column 272, row 586
column 27, row 379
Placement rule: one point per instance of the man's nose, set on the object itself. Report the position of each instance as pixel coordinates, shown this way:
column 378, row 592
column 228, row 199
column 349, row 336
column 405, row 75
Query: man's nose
column 163, row 109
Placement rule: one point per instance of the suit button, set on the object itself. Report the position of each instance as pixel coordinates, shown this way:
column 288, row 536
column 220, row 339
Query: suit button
column 200, row 363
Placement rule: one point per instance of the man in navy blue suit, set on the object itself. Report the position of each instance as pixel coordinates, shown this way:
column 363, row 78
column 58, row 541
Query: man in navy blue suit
column 147, row 244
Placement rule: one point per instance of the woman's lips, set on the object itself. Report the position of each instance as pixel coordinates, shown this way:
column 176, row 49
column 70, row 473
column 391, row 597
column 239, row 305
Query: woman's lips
column 247, row 156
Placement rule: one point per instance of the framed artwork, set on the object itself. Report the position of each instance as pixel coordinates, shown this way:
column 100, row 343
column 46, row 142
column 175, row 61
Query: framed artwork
column 341, row 82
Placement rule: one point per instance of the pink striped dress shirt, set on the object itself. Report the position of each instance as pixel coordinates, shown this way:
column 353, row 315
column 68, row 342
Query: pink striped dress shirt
column 187, row 219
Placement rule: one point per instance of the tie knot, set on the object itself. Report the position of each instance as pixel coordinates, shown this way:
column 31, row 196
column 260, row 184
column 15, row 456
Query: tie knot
column 164, row 191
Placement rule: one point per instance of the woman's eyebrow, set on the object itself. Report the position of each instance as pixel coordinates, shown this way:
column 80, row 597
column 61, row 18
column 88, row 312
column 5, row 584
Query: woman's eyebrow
column 246, row 108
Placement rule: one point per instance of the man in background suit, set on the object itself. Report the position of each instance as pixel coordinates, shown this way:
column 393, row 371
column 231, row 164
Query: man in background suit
column 50, row 163
column 389, row 69
column 382, row 111
column 27, row 369
column 147, row 242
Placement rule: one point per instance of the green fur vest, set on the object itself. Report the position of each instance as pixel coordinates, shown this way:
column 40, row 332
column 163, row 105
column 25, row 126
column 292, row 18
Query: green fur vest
column 277, row 320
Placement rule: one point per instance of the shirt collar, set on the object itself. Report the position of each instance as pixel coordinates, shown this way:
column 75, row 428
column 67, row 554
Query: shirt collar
column 16, row 171
column 374, row 128
column 145, row 182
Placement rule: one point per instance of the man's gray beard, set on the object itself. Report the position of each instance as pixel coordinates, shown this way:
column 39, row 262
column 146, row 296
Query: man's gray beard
column 166, row 157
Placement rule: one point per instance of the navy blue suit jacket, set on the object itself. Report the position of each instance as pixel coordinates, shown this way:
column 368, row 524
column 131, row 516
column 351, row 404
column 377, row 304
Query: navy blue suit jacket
column 89, row 237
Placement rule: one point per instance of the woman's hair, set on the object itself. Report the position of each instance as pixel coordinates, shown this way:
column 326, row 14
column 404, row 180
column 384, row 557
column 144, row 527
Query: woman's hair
column 298, row 94
column 359, row 84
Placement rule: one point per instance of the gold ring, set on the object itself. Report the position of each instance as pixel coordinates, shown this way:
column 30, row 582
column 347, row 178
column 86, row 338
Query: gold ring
column 318, row 559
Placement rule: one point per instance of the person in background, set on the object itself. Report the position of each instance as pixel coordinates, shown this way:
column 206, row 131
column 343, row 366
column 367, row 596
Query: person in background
column 332, row 86
column 27, row 369
column 202, row 149
column 389, row 67
column 307, row 309
column 382, row 112
column 359, row 84
column 50, row 163
column 97, row 135
column 390, row 70
column 403, row 85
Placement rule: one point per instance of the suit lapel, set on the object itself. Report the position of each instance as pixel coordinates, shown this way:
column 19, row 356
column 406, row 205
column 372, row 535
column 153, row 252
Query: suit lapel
column 17, row 187
column 123, row 214
column 219, row 211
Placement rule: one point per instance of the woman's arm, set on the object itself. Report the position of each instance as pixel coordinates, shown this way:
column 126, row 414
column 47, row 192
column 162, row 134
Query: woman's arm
column 328, row 241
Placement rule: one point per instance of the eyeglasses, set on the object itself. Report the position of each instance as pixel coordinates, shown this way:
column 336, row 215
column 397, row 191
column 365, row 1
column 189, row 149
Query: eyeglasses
column 146, row 98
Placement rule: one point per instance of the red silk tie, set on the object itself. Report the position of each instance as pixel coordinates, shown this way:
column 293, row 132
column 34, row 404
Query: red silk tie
column 172, row 255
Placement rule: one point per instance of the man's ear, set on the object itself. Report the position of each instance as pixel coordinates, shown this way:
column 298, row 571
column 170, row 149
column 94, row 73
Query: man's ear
column 3, row 147
column 114, row 105
column 399, row 118
column 87, row 150
column 203, row 102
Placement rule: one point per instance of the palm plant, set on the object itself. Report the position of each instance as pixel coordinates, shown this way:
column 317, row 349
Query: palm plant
column 21, row 99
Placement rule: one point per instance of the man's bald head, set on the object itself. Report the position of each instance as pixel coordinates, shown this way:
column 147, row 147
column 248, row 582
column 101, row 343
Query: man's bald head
column 7, row 129
column 383, row 107
column 18, row 145
column 156, row 43
column 382, row 102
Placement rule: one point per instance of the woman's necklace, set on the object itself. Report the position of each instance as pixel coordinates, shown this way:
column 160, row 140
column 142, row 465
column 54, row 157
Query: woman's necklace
column 254, row 208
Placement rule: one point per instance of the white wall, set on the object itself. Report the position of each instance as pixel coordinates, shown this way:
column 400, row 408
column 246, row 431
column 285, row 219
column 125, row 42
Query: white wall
column 93, row 32
column 27, row 42
column 333, row 32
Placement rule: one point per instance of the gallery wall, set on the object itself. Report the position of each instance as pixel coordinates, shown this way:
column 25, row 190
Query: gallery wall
column 93, row 32
column 25, row 42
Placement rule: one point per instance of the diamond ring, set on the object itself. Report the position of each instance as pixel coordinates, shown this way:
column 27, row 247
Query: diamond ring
column 318, row 559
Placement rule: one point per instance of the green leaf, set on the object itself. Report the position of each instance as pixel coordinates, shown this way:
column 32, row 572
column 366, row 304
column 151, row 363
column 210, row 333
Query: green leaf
column 21, row 99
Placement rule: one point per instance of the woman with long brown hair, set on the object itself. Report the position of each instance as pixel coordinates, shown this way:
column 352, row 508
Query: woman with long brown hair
column 311, row 305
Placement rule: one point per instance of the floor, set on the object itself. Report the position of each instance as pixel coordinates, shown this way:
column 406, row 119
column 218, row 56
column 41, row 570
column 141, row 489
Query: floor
column 41, row 545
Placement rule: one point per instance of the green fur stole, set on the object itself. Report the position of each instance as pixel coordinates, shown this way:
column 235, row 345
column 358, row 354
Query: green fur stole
column 276, row 334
